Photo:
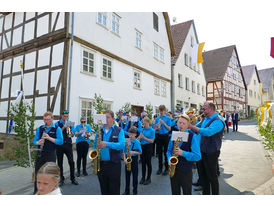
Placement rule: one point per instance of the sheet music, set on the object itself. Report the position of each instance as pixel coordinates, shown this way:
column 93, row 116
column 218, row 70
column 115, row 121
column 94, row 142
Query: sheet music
column 134, row 119
column 124, row 118
column 182, row 135
column 127, row 141
column 100, row 118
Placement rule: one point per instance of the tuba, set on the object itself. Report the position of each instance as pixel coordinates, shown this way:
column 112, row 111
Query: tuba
column 94, row 154
column 128, row 159
column 174, row 159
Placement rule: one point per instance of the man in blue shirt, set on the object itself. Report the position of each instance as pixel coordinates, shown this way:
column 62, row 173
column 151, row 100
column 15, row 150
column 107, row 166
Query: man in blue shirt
column 235, row 119
column 136, row 124
column 82, row 132
column 112, row 142
column 66, row 148
column 46, row 138
column 211, row 130
column 187, row 153
column 163, row 125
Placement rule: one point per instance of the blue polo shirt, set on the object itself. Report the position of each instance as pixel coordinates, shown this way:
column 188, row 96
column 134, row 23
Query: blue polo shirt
column 59, row 134
column 167, row 120
column 81, row 138
column 214, row 128
column 139, row 128
column 148, row 133
column 135, row 146
column 110, row 145
column 194, row 155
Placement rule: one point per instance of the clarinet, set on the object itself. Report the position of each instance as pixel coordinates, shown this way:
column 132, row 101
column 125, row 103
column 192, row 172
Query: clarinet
column 41, row 147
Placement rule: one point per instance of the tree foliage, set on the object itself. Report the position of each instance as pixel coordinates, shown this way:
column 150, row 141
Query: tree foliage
column 23, row 116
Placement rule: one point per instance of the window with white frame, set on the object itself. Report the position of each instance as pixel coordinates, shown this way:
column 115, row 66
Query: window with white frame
column 138, row 39
column 162, row 54
column 107, row 69
column 187, row 83
column 106, row 105
column 254, row 81
column 155, row 50
column 198, row 89
column 157, row 111
column 88, row 62
column 163, row 88
column 186, row 59
column 250, row 93
column 155, row 22
column 86, row 109
column 192, row 41
column 190, row 62
column 115, row 26
column 156, row 86
column 137, row 80
column 193, row 86
column 180, row 80
column 203, row 90
column 102, row 18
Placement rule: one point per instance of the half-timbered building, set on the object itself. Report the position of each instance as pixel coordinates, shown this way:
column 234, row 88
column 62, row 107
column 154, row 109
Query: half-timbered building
column 226, row 86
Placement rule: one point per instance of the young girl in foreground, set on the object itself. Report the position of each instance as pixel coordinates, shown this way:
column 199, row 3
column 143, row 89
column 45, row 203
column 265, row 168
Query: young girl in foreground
column 48, row 178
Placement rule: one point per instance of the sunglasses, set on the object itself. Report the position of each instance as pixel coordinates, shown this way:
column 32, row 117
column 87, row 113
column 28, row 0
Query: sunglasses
column 65, row 112
column 83, row 121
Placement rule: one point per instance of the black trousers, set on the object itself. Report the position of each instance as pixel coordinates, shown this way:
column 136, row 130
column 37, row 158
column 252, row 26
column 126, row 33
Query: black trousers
column 66, row 149
column 209, row 177
column 147, row 150
column 154, row 145
column 41, row 159
column 82, row 151
column 227, row 127
column 110, row 177
column 235, row 125
column 134, row 171
column 161, row 147
column 181, row 179
column 199, row 165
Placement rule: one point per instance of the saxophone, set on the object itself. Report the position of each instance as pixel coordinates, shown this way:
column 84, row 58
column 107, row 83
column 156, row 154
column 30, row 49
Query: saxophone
column 173, row 160
column 128, row 159
column 94, row 154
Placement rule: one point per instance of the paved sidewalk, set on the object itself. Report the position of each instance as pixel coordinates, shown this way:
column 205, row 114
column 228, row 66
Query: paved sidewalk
column 17, row 180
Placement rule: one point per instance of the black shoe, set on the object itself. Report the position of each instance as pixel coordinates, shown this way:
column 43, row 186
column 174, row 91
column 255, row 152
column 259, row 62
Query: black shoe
column 74, row 182
column 78, row 174
column 126, row 193
column 134, row 193
column 165, row 173
column 61, row 183
column 196, row 184
column 198, row 188
column 85, row 173
column 159, row 171
column 148, row 181
column 142, row 181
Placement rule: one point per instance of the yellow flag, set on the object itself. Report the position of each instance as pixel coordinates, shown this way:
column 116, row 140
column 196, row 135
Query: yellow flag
column 261, row 88
column 21, row 64
column 200, row 53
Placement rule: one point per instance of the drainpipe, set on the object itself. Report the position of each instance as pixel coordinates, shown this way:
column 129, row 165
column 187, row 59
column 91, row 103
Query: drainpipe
column 70, row 60
column 172, row 87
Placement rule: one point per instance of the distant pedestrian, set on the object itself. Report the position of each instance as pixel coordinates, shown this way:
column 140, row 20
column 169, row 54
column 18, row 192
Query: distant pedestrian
column 235, row 119
column 48, row 178
column 226, row 116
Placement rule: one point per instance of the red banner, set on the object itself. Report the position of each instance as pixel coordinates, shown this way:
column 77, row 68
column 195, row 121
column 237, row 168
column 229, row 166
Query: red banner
column 272, row 47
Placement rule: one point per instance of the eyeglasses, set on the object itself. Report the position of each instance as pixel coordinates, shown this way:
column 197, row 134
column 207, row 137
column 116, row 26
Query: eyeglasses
column 65, row 112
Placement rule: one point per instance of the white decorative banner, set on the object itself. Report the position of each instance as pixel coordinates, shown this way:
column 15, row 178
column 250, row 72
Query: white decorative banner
column 183, row 136
column 100, row 118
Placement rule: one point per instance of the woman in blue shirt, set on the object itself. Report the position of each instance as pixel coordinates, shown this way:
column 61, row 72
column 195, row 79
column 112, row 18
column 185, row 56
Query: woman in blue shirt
column 146, row 138
column 82, row 132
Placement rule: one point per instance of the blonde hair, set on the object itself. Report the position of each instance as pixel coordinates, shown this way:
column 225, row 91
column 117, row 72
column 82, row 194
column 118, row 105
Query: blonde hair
column 146, row 119
column 48, row 114
column 50, row 168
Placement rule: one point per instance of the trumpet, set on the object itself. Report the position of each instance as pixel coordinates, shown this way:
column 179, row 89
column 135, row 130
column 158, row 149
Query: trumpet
column 94, row 154
column 173, row 160
column 128, row 159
